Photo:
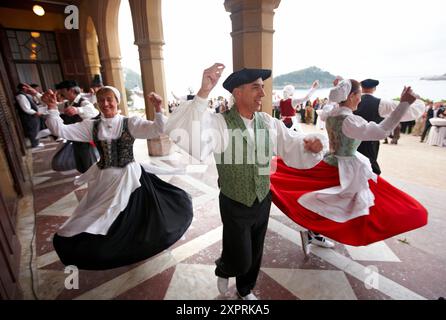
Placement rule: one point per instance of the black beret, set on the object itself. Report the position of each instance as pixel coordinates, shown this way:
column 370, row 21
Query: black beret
column 244, row 76
column 67, row 84
column 369, row 83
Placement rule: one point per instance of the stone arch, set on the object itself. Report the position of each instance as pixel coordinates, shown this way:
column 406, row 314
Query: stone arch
column 93, row 64
column 105, row 16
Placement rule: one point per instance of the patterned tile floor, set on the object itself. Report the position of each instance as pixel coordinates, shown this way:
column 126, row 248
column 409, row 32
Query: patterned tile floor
column 408, row 266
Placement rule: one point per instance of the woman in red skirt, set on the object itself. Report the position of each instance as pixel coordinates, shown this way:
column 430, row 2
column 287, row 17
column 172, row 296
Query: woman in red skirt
column 341, row 197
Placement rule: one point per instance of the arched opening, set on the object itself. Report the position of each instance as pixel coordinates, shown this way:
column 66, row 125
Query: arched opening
column 91, row 45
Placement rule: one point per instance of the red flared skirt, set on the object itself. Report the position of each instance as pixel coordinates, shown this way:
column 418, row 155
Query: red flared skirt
column 394, row 211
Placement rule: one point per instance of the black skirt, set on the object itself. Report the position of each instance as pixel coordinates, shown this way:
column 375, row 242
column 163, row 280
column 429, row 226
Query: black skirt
column 157, row 215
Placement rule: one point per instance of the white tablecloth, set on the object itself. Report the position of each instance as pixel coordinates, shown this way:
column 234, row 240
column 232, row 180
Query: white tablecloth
column 437, row 133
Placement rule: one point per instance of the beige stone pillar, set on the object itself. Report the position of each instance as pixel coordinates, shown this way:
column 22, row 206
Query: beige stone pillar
column 252, row 38
column 93, row 65
column 89, row 39
column 148, row 30
column 105, row 18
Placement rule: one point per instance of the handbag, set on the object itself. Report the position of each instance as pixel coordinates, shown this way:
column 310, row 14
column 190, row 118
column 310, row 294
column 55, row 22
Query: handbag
column 64, row 159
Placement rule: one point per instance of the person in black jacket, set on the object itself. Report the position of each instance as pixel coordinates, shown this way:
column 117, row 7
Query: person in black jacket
column 29, row 112
column 368, row 108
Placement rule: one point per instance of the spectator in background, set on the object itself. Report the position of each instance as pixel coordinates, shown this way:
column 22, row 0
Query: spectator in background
column 374, row 109
column 29, row 112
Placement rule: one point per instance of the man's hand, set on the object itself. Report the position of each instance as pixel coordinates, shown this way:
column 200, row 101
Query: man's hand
column 70, row 111
column 313, row 145
column 315, row 84
column 30, row 90
column 210, row 78
column 50, row 99
column 156, row 101
column 408, row 95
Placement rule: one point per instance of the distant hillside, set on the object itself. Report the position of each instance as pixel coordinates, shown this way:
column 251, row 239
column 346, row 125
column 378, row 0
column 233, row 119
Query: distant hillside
column 304, row 78
column 443, row 77
column 132, row 79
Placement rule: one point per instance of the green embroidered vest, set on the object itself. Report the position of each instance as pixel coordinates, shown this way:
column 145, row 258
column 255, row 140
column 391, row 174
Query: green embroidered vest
column 244, row 166
column 340, row 144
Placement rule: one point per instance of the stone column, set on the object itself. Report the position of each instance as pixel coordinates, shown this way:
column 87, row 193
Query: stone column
column 113, row 76
column 89, row 39
column 148, row 30
column 105, row 17
column 252, row 38
column 92, row 66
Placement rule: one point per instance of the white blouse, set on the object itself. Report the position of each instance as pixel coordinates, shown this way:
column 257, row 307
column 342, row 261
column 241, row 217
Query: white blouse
column 109, row 190
column 296, row 101
column 110, row 128
column 201, row 133
column 353, row 198
column 25, row 105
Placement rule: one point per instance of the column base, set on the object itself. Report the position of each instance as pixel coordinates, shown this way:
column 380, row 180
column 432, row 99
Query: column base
column 160, row 146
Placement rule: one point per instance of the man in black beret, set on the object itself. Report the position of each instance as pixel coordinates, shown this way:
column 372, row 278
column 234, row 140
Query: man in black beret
column 74, row 109
column 243, row 141
column 244, row 76
column 368, row 108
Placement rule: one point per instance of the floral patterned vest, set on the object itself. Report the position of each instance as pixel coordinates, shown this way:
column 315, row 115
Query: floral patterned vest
column 340, row 144
column 244, row 167
column 119, row 152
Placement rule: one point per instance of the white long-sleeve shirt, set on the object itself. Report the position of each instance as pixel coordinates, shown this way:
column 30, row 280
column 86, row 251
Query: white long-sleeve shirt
column 86, row 110
column 202, row 133
column 352, row 197
column 24, row 103
column 296, row 101
column 387, row 106
column 110, row 128
column 109, row 190
column 358, row 128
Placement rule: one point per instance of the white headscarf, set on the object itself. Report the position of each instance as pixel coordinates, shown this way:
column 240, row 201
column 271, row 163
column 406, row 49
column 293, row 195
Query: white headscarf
column 288, row 91
column 115, row 92
column 341, row 91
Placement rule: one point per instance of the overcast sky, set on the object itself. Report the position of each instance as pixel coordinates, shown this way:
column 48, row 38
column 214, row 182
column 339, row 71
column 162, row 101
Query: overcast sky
column 353, row 38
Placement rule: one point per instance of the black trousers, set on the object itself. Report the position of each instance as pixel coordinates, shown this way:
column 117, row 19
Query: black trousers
column 31, row 127
column 370, row 149
column 244, row 230
column 407, row 126
column 427, row 126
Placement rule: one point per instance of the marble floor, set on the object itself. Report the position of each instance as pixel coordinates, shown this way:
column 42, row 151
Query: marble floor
column 409, row 266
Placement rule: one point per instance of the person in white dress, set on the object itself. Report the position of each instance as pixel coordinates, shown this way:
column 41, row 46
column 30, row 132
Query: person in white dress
column 342, row 197
column 127, row 214
column 288, row 105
